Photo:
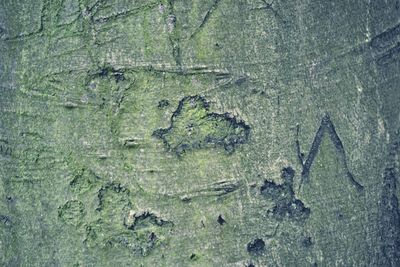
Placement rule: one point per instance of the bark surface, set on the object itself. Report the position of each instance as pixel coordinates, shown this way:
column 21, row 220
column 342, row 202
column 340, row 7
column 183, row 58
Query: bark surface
column 199, row 133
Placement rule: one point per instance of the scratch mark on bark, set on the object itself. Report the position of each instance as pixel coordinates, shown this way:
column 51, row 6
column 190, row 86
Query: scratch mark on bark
column 326, row 126
column 126, row 13
column 206, row 18
column 174, row 37
column 387, row 46
column 39, row 31
column 269, row 6
column 217, row 189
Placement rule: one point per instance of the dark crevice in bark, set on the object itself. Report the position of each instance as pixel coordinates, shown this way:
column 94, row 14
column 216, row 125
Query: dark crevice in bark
column 390, row 212
column 255, row 247
column 286, row 205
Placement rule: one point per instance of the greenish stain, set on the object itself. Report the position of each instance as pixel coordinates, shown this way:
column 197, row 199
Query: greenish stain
column 146, row 36
column 194, row 127
column 114, row 224
column 83, row 181
column 72, row 212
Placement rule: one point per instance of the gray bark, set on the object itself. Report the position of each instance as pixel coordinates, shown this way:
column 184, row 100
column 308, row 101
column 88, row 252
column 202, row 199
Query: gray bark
column 199, row 133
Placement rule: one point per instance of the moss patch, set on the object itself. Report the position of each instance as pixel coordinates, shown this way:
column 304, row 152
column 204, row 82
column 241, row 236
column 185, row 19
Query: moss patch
column 194, row 127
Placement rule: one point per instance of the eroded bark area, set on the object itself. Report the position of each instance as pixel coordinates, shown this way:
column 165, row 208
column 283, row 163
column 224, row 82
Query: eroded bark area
column 199, row 133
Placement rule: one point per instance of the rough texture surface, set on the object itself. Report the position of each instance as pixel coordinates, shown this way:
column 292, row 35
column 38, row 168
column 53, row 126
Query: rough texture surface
column 199, row 133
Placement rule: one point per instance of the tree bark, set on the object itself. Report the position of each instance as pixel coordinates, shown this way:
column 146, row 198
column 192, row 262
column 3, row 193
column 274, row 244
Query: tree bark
column 199, row 133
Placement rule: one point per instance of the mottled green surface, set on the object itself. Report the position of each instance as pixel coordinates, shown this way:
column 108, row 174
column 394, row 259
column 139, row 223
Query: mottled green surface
column 100, row 166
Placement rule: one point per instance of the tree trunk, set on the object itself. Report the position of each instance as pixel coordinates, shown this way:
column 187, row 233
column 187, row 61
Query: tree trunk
column 199, row 133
